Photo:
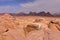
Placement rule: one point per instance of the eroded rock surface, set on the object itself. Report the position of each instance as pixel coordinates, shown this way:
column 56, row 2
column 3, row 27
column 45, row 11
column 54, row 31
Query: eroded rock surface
column 12, row 28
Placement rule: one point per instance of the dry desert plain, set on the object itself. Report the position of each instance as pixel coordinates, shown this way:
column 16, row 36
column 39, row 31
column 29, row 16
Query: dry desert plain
column 29, row 28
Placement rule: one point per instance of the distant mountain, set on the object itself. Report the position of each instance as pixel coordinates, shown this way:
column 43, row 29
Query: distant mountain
column 43, row 13
column 57, row 14
column 33, row 14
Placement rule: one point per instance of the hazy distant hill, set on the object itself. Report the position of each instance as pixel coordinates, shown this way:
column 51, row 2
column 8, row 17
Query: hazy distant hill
column 33, row 14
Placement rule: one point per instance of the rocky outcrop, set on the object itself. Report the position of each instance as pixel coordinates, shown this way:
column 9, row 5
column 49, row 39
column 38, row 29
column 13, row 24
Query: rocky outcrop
column 54, row 25
column 14, row 28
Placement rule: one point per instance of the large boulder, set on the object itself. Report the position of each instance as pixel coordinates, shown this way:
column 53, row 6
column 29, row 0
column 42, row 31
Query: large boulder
column 30, row 27
column 54, row 25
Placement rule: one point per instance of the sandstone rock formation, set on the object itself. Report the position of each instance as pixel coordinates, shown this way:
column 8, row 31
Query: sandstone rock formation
column 15, row 28
column 54, row 25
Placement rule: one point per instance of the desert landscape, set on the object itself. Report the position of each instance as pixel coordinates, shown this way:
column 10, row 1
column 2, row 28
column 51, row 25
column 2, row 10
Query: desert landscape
column 29, row 19
column 29, row 28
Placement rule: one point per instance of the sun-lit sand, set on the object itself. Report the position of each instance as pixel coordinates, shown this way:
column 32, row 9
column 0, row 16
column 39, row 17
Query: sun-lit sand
column 29, row 28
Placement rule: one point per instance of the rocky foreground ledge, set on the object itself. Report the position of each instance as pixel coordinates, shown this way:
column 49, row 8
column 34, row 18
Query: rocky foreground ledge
column 28, row 28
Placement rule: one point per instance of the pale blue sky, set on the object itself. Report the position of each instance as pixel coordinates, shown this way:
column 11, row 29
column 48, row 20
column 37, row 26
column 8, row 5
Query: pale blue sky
column 16, row 6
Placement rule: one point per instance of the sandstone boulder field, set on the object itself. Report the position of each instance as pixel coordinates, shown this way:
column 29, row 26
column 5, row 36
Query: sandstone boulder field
column 29, row 28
